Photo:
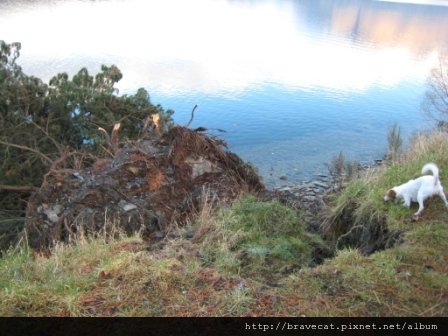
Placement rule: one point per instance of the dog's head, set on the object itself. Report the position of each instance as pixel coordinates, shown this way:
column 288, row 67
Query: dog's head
column 391, row 195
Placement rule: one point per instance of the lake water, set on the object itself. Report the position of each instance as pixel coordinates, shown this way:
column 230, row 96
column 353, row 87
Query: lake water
column 292, row 82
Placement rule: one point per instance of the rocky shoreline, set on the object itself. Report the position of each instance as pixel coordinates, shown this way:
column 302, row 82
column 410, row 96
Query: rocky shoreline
column 311, row 196
column 307, row 196
column 310, row 191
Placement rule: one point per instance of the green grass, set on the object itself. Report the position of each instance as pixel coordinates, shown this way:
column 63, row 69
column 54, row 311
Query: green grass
column 252, row 258
column 362, row 199
column 259, row 239
column 407, row 280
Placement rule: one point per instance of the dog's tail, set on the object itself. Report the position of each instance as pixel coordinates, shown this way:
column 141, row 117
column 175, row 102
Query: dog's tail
column 431, row 167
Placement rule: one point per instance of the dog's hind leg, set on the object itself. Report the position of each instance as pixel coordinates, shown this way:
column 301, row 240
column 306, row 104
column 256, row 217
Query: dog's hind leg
column 443, row 197
column 421, row 206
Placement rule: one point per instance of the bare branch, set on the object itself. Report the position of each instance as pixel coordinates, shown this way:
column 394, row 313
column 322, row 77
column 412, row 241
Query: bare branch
column 57, row 145
column 192, row 116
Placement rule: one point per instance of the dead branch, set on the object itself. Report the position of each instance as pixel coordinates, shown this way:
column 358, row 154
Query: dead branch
column 192, row 116
column 23, row 189
column 64, row 155
column 55, row 169
column 42, row 155
column 156, row 121
column 113, row 140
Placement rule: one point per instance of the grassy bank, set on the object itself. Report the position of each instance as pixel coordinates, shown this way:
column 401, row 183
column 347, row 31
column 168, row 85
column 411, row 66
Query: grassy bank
column 255, row 258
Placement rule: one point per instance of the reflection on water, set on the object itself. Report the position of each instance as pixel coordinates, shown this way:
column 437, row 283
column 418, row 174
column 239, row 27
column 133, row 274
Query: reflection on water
column 176, row 46
column 418, row 29
column 276, row 74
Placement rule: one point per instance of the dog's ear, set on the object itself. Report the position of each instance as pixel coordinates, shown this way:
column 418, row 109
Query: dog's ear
column 391, row 194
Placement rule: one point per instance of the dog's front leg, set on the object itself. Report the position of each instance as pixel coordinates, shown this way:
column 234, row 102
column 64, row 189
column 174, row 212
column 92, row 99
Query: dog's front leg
column 407, row 201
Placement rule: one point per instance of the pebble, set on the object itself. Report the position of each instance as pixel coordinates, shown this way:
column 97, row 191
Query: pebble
column 309, row 198
column 127, row 206
column 321, row 184
column 308, row 195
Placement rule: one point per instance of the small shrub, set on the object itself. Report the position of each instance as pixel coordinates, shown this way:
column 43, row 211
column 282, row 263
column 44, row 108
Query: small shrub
column 343, row 171
column 337, row 165
column 395, row 142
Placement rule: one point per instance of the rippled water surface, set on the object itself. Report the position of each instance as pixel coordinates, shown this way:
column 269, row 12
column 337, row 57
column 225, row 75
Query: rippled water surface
column 292, row 82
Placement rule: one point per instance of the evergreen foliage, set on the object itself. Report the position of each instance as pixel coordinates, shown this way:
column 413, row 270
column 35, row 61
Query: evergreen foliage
column 41, row 123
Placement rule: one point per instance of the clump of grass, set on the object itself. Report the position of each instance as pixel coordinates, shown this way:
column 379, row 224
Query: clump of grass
column 429, row 147
column 258, row 239
column 342, row 210
column 11, row 224
column 337, row 165
column 48, row 285
column 342, row 170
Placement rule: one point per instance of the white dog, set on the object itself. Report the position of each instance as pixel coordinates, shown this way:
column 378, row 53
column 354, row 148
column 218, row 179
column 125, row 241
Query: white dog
column 419, row 190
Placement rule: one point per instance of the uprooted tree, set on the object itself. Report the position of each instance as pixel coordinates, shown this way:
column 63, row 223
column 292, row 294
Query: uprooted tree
column 150, row 186
column 76, row 157
column 57, row 123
